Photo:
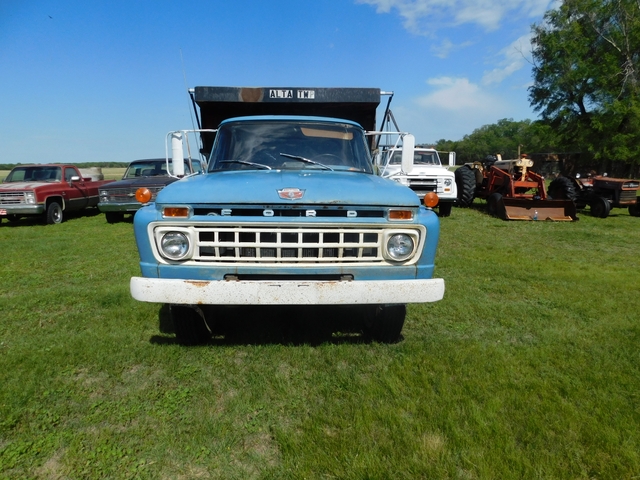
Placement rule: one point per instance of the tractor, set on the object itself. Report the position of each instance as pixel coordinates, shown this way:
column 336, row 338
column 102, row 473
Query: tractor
column 600, row 192
column 512, row 190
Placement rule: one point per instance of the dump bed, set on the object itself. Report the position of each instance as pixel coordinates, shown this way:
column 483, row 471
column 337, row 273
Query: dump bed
column 220, row 103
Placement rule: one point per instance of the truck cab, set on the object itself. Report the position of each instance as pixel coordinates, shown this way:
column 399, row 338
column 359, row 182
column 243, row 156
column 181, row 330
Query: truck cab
column 426, row 175
column 289, row 213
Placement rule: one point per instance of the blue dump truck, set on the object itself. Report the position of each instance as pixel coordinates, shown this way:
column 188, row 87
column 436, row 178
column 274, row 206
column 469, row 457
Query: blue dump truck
column 289, row 215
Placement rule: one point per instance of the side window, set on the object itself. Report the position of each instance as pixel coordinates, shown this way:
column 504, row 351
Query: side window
column 68, row 173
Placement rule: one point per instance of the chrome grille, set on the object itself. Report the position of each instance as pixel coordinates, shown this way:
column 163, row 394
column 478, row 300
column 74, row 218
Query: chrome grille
column 12, row 198
column 288, row 245
column 125, row 195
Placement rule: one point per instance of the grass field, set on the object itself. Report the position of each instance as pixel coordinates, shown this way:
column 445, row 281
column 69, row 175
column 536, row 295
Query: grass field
column 529, row 367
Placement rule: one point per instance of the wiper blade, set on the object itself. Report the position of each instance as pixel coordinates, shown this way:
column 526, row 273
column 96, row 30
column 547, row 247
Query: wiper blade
column 306, row 160
column 244, row 162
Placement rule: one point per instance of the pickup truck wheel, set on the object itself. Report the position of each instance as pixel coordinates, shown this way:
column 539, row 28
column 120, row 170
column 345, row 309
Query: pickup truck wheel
column 444, row 209
column 384, row 324
column 189, row 325
column 466, row 183
column 600, row 207
column 54, row 213
column 114, row 217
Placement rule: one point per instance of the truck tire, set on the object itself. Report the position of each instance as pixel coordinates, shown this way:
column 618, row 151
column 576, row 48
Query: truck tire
column 189, row 325
column 466, row 183
column 600, row 207
column 444, row 209
column 54, row 213
column 385, row 323
column 114, row 217
column 634, row 210
column 562, row 188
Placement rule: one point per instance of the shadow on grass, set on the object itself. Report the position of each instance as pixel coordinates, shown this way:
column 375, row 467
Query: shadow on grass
column 274, row 325
column 30, row 220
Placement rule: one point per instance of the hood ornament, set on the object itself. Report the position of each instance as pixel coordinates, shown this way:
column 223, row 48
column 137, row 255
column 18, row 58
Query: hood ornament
column 291, row 193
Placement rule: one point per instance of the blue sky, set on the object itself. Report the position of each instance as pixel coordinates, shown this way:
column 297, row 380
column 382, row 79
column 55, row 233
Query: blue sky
column 85, row 80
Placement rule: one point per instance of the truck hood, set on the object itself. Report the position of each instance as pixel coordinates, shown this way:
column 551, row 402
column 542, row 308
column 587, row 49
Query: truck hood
column 134, row 183
column 263, row 187
column 20, row 186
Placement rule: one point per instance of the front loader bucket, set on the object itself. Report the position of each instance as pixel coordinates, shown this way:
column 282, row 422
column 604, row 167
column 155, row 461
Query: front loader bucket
column 527, row 209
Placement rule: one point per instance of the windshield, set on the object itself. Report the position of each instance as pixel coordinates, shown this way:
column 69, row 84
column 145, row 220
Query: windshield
column 35, row 174
column 290, row 145
column 152, row 168
column 419, row 158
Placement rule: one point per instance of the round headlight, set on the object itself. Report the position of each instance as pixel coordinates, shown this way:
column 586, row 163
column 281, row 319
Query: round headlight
column 174, row 245
column 400, row 246
column 447, row 182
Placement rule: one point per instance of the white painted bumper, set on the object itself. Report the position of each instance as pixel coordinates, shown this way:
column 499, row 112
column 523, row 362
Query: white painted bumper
column 196, row 292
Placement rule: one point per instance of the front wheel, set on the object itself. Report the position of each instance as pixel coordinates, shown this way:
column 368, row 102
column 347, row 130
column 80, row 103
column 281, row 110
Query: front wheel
column 600, row 207
column 495, row 206
column 444, row 209
column 114, row 217
column 634, row 210
column 54, row 213
column 384, row 324
column 190, row 325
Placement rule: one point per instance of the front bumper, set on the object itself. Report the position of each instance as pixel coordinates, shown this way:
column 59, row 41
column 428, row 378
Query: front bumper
column 21, row 209
column 119, row 207
column 291, row 292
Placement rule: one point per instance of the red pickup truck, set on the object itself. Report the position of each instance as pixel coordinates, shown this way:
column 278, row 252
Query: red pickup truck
column 47, row 190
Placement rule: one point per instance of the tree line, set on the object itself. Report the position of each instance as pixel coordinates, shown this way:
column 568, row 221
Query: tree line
column 586, row 88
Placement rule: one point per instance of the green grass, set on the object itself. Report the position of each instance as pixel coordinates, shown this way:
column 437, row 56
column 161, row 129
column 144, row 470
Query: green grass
column 529, row 368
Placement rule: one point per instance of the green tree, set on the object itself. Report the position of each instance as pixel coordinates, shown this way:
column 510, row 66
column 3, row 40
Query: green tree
column 586, row 57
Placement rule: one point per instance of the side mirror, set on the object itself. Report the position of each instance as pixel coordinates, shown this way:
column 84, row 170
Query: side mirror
column 408, row 147
column 177, row 158
column 75, row 178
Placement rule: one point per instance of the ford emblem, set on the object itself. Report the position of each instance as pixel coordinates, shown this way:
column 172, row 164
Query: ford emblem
column 291, row 193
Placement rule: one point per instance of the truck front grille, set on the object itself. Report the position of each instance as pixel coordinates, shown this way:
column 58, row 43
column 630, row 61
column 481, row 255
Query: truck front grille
column 628, row 196
column 12, row 198
column 288, row 245
column 125, row 195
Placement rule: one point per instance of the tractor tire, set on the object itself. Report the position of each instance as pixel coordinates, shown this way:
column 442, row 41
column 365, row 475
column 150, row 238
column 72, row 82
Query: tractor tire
column 634, row 210
column 384, row 323
column 600, row 207
column 495, row 206
column 189, row 325
column 562, row 188
column 444, row 209
column 466, row 183
column 54, row 213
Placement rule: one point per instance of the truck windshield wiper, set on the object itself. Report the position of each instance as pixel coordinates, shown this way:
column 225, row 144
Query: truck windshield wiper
column 306, row 160
column 244, row 162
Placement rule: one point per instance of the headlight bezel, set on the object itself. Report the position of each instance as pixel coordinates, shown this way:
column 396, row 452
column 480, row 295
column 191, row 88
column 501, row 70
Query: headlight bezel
column 411, row 237
column 175, row 234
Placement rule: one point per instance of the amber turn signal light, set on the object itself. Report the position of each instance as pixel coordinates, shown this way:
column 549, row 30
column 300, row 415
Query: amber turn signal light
column 431, row 200
column 143, row 195
column 400, row 215
column 176, row 212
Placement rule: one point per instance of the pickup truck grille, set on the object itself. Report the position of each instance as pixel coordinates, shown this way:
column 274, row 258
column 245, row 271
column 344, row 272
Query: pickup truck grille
column 12, row 198
column 125, row 195
column 289, row 245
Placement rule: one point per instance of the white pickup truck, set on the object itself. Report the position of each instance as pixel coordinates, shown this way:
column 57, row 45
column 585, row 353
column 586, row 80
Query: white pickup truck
column 428, row 175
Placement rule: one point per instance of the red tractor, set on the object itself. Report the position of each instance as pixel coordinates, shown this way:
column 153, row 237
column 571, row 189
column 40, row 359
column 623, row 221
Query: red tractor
column 512, row 190
column 600, row 192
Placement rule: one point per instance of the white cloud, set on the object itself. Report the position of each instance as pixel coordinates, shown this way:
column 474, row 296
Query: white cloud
column 488, row 14
column 446, row 47
column 516, row 56
column 456, row 94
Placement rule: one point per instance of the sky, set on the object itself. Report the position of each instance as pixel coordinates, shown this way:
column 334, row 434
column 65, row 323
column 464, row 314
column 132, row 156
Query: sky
column 97, row 81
